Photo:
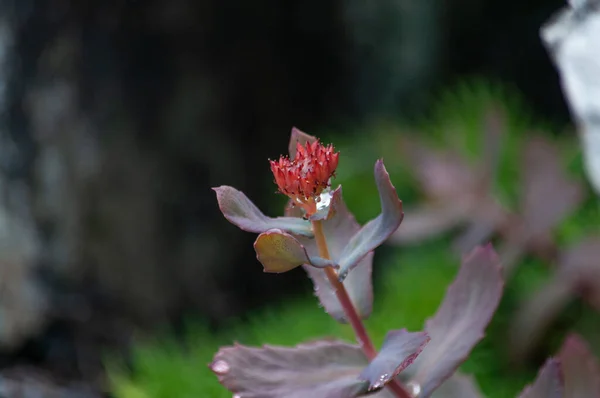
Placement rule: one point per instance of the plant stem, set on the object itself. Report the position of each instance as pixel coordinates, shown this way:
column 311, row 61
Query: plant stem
column 342, row 295
column 354, row 319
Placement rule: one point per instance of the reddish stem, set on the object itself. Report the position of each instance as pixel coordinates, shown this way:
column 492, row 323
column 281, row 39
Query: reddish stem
column 351, row 314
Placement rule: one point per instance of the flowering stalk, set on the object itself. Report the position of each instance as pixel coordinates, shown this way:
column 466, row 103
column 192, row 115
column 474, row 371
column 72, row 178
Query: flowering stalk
column 353, row 318
column 321, row 234
column 303, row 179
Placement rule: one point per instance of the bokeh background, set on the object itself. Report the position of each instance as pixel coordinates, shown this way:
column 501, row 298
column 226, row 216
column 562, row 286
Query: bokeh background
column 118, row 274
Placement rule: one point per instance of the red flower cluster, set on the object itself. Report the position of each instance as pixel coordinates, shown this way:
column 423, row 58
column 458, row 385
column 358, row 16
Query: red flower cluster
column 307, row 175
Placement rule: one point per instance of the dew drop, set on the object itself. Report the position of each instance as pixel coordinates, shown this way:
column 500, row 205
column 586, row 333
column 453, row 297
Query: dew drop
column 380, row 381
column 220, row 367
column 324, row 200
column 413, row 388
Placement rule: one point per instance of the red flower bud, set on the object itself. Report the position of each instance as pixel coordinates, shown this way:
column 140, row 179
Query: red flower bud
column 305, row 177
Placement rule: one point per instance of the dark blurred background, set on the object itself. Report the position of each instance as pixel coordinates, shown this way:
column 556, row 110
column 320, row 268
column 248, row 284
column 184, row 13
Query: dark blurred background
column 118, row 117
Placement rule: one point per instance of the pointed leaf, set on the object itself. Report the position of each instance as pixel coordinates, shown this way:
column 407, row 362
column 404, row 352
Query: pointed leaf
column 548, row 383
column 578, row 274
column 427, row 222
column 327, row 369
column 443, row 175
column 400, row 348
column 486, row 217
column 458, row 386
column 543, row 177
column 537, row 313
column 279, row 251
column 580, row 268
column 460, row 321
column 580, row 369
column 338, row 230
column 376, row 231
column 240, row 211
column 300, row 137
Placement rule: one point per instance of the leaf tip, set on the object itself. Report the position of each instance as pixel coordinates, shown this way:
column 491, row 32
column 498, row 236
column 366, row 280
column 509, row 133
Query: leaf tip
column 218, row 190
column 574, row 343
column 580, row 367
column 379, row 166
column 549, row 382
column 400, row 348
column 485, row 253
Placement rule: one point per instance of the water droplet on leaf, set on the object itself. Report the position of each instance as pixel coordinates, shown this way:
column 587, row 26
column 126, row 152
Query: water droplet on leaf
column 220, row 367
column 381, row 381
column 413, row 388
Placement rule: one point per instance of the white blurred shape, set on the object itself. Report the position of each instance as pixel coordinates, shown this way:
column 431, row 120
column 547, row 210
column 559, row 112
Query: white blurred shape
column 573, row 39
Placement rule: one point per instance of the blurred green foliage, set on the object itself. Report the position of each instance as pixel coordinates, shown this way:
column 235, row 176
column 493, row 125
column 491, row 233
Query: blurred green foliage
column 409, row 282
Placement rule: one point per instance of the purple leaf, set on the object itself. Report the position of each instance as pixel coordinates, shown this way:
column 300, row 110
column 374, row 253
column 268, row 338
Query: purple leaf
column 548, row 383
column 338, row 230
column 541, row 208
column 549, row 195
column 376, row 231
column 578, row 274
column 460, row 191
column 358, row 284
column 444, row 176
column 461, row 319
column 580, row 369
column 427, row 221
column 279, row 251
column 400, row 348
column 240, row 211
column 537, row 313
column 580, row 269
column 298, row 137
column 484, row 214
column 457, row 386
column 476, row 232
column 324, row 369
